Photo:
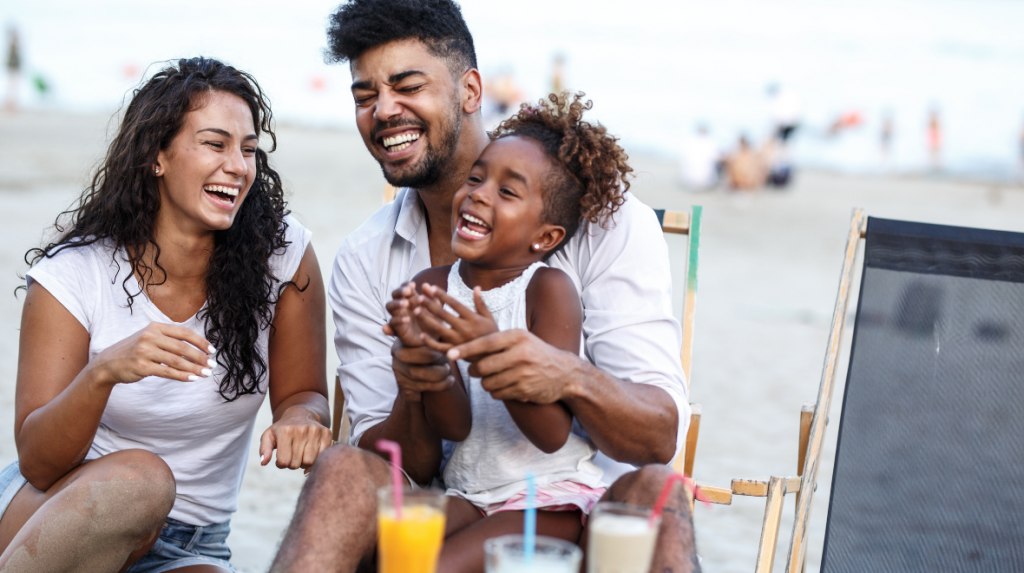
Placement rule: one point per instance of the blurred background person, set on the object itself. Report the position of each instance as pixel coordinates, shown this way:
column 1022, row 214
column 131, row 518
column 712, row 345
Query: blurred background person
column 700, row 160
column 503, row 96
column 934, row 140
column 885, row 138
column 558, row 74
column 784, row 106
column 745, row 169
column 13, row 69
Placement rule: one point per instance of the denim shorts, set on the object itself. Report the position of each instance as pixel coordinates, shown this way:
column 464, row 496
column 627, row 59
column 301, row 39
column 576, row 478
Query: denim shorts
column 180, row 544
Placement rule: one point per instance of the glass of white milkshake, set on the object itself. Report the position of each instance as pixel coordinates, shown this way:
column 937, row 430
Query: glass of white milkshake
column 622, row 538
column 506, row 554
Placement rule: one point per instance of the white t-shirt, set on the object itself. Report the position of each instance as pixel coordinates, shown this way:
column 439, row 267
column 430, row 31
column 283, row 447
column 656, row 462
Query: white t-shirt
column 622, row 275
column 202, row 438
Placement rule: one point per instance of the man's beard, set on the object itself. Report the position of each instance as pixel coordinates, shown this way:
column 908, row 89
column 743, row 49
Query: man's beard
column 436, row 160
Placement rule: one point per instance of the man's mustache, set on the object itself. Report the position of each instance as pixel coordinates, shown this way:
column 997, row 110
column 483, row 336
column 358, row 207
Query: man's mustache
column 382, row 125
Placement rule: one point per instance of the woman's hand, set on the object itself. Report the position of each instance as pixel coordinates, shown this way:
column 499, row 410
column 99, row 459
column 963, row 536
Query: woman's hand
column 164, row 350
column 298, row 438
column 441, row 329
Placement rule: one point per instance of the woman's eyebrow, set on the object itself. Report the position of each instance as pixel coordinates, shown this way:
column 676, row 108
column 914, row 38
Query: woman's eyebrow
column 220, row 131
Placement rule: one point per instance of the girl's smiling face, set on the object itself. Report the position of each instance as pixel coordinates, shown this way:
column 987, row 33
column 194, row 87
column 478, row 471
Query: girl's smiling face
column 498, row 213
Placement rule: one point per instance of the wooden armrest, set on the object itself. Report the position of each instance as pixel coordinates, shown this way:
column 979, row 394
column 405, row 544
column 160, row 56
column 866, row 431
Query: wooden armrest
column 676, row 222
column 759, row 488
column 717, row 495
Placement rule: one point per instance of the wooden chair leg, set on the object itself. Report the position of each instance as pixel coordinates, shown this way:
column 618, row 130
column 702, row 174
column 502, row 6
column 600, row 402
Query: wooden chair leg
column 770, row 527
column 338, row 413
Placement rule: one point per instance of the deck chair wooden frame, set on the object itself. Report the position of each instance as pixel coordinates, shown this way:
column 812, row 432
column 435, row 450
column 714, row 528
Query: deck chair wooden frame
column 813, row 419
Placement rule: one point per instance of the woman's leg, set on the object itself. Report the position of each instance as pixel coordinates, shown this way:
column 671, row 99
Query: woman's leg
column 103, row 515
column 463, row 552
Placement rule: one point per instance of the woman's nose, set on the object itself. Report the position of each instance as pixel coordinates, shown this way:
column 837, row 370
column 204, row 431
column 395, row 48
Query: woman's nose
column 236, row 165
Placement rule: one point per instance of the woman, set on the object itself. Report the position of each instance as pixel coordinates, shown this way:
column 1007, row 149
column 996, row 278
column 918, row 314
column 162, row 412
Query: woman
column 179, row 294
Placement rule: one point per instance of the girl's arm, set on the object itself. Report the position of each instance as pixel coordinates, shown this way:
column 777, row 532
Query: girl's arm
column 61, row 395
column 555, row 315
column 298, row 372
column 448, row 411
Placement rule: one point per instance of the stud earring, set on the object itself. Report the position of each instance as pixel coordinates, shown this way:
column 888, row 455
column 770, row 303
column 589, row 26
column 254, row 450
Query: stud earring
column 156, row 169
column 536, row 247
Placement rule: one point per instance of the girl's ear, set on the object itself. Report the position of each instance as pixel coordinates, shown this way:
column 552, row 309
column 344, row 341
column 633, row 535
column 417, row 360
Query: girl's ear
column 547, row 238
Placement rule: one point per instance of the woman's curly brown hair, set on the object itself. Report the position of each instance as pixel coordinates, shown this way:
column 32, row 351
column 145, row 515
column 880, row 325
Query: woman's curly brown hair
column 596, row 175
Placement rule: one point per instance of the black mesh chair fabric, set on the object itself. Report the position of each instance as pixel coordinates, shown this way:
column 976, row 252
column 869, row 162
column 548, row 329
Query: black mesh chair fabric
column 929, row 472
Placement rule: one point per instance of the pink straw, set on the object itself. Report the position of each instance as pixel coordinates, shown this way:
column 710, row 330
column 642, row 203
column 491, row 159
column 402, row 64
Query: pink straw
column 688, row 483
column 396, row 472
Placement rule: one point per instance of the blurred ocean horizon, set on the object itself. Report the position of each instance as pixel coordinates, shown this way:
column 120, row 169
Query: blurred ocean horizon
column 655, row 70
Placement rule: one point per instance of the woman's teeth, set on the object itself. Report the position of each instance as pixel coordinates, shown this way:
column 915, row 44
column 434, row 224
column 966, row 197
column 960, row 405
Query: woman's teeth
column 400, row 142
column 229, row 191
column 468, row 221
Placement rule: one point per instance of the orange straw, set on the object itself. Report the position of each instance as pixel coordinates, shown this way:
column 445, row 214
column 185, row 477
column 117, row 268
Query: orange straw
column 688, row 483
column 396, row 472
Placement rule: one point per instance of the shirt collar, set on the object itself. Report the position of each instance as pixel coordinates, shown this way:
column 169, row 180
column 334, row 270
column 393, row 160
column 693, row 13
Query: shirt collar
column 410, row 215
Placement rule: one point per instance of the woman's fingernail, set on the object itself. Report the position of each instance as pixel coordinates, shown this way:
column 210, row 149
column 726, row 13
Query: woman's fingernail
column 192, row 377
column 206, row 371
column 212, row 363
column 212, row 349
column 262, row 457
column 453, row 354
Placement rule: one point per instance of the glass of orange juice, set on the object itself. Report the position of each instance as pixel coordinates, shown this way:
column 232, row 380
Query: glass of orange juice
column 409, row 541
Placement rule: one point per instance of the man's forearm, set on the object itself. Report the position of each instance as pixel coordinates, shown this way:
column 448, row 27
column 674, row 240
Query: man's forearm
column 632, row 423
column 407, row 425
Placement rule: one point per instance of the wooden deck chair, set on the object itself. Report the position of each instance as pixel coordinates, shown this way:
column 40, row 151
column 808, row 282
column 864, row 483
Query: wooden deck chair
column 929, row 470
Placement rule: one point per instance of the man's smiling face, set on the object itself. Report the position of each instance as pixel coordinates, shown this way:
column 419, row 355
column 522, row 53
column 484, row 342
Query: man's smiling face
column 408, row 110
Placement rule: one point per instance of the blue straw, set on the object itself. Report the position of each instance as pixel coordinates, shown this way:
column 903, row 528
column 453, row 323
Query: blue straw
column 530, row 523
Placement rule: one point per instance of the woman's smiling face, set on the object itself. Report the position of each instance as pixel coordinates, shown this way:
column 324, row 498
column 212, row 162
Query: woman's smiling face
column 207, row 170
column 498, row 212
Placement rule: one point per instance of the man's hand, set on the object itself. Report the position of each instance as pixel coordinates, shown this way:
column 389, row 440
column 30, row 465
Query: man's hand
column 516, row 365
column 419, row 369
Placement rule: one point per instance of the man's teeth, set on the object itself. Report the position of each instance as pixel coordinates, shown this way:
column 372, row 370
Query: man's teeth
column 221, row 189
column 401, row 141
column 473, row 219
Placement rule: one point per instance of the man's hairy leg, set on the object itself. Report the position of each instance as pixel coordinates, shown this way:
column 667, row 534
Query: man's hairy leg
column 676, row 550
column 335, row 523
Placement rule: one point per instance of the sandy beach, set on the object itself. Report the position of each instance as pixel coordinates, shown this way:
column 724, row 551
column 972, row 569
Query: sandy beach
column 768, row 276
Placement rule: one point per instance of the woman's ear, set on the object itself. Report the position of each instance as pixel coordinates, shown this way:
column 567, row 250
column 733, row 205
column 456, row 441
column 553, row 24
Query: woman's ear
column 547, row 238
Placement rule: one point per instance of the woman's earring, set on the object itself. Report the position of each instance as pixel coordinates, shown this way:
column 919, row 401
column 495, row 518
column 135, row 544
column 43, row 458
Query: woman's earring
column 156, row 169
column 536, row 246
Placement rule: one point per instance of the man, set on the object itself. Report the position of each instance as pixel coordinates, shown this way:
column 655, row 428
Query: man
column 417, row 94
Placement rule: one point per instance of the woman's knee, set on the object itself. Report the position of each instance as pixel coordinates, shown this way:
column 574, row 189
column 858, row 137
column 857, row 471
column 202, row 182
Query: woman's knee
column 134, row 485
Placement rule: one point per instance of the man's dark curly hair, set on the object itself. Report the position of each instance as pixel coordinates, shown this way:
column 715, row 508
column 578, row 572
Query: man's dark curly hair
column 358, row 25
column 120, row 207
column 591, row 174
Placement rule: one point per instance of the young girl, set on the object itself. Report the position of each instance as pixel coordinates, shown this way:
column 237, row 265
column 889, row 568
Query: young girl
column 545, row 171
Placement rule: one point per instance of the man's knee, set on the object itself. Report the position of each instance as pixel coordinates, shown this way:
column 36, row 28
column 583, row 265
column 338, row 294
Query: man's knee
column 342, row 464
column 642, row 487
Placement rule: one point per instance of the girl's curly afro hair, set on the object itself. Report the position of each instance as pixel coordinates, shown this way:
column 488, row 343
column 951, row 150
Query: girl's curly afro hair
column 591, row 174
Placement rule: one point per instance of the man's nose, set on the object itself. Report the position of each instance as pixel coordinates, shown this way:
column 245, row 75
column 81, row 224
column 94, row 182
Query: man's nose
column 387, row 106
